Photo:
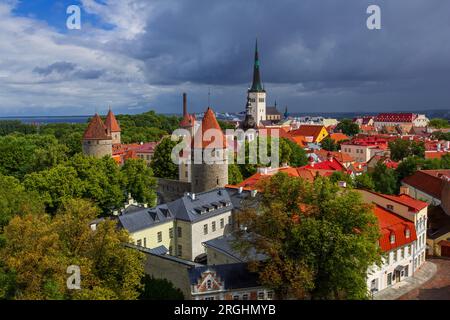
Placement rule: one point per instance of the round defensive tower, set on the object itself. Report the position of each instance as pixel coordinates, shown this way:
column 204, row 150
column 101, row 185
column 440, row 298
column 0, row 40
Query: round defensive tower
column 209, row 176
column 97, row 142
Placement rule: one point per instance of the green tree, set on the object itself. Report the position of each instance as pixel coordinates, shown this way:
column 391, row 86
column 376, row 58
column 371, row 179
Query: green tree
column 348, row 127
column 159, row 289
column 39, row 248
column 329, row 144
column 20, row 155
column 297, row 155
column 338, row 176
column 55, row 185
column 139, row 181
column 384, row 179
column 401, row 149
column 364, row 181
column 162, row 164
column 306, row 234
column 438, row 123
column 234, row 174
column 15, row 200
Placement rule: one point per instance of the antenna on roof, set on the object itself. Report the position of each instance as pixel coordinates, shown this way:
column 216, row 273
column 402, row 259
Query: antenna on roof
column 209, row 96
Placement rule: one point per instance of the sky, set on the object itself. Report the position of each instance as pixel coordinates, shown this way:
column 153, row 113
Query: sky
column 140, row 55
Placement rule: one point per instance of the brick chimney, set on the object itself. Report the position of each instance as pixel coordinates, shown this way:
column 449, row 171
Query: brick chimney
column 184, row 104
column 404, row 190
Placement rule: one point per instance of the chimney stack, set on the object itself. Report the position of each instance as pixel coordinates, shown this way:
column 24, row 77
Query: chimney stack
column 184, row 104
column 404, row 190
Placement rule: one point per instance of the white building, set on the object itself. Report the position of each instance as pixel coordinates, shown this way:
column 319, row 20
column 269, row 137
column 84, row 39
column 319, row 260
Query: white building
column 397, row 241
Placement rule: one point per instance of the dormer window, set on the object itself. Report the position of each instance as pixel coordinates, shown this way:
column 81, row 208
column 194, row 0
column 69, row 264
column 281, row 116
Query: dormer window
column 407, row 233
column 392, row 238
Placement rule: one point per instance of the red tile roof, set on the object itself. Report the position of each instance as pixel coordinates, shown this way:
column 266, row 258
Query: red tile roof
column 428, row 181
column 111, row 122
column 406, row 200
column 187, row 121
column 96, row 130
column 395, row 117
column 342, row 157
column 392, row 224
column 201, row 140
column 333, row 165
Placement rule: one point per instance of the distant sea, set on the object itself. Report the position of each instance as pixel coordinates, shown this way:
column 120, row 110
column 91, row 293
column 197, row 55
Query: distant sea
column 49, row 119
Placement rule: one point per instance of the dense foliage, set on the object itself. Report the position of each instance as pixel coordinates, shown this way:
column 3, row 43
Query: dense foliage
column 38, row 249
column 401, row 149
column 347, row 127
column 320, row 240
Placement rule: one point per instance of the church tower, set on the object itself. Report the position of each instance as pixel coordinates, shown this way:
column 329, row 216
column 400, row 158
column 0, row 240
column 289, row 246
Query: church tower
column 207, row 176
column 257, row 94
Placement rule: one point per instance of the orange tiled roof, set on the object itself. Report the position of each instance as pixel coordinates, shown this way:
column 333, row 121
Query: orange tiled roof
column 209, row 121
column 339, row 137
column 435, row 154
column 96, row 130
column 111, row 122
column 392, row 224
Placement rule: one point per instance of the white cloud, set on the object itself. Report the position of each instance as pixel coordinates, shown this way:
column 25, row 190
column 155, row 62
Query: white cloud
column 100, row 76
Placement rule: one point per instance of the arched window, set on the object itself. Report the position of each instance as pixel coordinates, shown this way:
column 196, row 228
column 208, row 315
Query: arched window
column 208, row 284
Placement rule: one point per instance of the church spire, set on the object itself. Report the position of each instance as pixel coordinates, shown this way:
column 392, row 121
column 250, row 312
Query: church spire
column 256, row 85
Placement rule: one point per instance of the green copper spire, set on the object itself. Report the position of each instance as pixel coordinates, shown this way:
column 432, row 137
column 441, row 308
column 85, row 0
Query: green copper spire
column 256, row 85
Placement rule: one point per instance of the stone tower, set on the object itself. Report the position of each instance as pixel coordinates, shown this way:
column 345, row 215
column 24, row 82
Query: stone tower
column 97, row 141
column 188, row 123
column 113, row 127
column 257, row 94
column 207, row 176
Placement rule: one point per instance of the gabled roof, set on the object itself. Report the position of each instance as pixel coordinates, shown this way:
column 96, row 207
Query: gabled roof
column 308, row 131
column 224, row 244
column 96, row 130
column 395, row 117
column 111, row 122
column 428, row 181
column 273, row 111
column 209, row 121
column 233, row 276
column 413, row 205
column 393, row 224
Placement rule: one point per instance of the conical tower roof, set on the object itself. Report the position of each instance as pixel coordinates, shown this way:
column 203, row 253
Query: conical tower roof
column 209, row 122
column 96, row 130
column 256, row 85
column 111, row 122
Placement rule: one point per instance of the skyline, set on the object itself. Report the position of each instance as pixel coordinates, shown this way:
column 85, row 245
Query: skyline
column 133, row 56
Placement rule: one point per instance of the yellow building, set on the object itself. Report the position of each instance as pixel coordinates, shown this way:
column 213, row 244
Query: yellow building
column 181, row 226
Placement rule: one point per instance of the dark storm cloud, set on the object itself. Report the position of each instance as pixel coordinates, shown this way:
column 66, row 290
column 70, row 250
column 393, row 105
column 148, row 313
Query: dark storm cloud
column 68, row 70
column 318, row 47
column 212, row 42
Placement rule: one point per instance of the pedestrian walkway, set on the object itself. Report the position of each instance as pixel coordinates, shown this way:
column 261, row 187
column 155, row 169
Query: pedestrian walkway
column 425, row 273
